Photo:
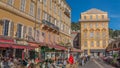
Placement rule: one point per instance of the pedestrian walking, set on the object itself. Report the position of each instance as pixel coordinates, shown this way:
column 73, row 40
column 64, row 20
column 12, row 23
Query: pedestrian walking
column 71, row 59
column 83, row 61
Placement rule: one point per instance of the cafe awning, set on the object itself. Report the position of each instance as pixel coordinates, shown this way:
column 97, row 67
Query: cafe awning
column 5, row 45
column 18, row 46
column 7, row 40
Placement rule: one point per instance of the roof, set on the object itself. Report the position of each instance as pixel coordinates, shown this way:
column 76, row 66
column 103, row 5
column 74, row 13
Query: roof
column 94, row 11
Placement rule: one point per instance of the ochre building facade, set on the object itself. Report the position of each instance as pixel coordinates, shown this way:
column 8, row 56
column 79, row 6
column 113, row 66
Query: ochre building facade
column 94, row 32
column 46, row 21
column 42, row 22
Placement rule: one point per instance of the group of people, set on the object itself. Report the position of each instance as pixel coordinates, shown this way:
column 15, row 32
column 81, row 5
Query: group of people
column 6, row 62
column 84, row 59
column 61, row 63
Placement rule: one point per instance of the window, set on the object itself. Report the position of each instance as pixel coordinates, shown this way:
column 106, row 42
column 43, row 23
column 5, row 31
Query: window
column 37, row 35
column 30, row 31
column 45, row 16
column 10, row 2
column 48, row 18
column 24, row 31
column 11, row 29
column 23, row 2
column 92, row 44
column 91, row 25
column 97, row 35
column 59, row 1
column 50, row 4
column 84, row 17
column 90, row 17
column 38, row 13
column 91, row 34
column 19, row 30
column 104, row 43
column 98, row 43
column 32, row 8
column 103, row 34
column 85, row 35
column 103, row 25
column 85, row 43
column 85, row 25
column 97, row 17
column 96, row 25
column 102, row 16
column 6, row 27
column 61, row 26
column 69, row 31
column 55, row 21
column 55, row 8
column 44, row 2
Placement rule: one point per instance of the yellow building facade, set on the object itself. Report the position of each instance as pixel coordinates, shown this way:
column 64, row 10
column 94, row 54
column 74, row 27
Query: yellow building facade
column 47, row 21
column 94, row 32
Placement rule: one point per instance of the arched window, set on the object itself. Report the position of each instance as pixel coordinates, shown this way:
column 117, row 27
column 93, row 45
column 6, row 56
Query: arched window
column 91, row 34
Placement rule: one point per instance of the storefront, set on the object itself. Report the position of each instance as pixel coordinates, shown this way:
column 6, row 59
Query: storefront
column 6, row 46
column 53, row 52
column 98, row 52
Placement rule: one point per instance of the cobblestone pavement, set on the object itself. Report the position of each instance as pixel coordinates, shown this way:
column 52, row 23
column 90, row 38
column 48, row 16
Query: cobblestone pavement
column 96, row 63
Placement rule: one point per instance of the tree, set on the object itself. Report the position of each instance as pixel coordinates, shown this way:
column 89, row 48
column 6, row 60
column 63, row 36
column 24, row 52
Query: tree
column 114, row 33
column 75, row 26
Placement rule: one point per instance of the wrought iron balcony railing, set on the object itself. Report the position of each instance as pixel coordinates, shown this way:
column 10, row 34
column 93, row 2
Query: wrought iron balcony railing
column 67, row 12
column 51, row 25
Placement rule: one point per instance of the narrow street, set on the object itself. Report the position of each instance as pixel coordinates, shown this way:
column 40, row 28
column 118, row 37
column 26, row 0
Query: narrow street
column 95, row 63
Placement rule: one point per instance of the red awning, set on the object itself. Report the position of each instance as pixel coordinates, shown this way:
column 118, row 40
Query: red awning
column 5, row 45
column 17, row 46
column 76, row 50
column 6, row 40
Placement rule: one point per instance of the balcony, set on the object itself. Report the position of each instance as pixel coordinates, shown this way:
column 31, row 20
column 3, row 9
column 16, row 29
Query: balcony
column 50, row 25
column 67, row 13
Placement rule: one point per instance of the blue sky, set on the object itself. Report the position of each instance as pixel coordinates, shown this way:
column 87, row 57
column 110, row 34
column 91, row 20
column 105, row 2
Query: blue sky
column 110, row 6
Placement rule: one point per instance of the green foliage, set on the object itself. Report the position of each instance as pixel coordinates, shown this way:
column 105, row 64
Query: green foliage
column 115, row 56
column 75, row 26
column 114, row 33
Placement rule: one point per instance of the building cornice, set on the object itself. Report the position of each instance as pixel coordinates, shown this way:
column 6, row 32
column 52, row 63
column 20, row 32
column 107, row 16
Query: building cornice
column 104, row 20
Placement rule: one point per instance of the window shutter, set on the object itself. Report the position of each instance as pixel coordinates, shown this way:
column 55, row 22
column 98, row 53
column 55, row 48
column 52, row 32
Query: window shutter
column 12, row 29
